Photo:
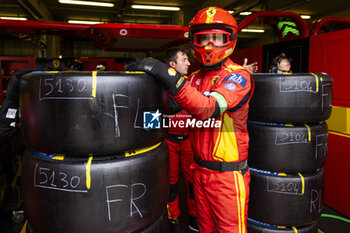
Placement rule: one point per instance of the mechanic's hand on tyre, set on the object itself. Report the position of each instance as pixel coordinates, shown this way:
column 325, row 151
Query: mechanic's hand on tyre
column 146, row 64
column 161, row 71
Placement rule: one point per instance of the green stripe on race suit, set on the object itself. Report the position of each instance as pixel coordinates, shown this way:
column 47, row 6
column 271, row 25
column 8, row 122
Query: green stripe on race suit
column 221, row 100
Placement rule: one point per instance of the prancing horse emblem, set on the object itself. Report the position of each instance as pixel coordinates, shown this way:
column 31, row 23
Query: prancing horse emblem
column 211, row 12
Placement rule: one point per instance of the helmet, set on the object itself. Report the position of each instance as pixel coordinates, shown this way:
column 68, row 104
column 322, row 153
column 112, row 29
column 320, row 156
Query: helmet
column 213, row 36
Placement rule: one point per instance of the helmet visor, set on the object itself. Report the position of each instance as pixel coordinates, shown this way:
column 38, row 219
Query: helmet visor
column 214, row 37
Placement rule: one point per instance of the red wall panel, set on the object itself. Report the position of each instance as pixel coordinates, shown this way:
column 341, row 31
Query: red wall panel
column 10, row 65
column 337, row 187
column 254, row 54
column 329, row 53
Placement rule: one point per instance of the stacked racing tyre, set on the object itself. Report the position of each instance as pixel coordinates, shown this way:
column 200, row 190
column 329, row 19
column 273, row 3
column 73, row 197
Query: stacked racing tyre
column 92, row 165
column 287, row 151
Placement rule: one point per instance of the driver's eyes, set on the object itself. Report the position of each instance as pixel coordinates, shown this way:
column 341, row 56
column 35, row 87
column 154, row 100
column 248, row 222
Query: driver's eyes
column 218, row 37
column 202, row 38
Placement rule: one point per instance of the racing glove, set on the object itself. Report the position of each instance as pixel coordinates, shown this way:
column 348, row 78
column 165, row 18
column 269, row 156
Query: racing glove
column 168, row 76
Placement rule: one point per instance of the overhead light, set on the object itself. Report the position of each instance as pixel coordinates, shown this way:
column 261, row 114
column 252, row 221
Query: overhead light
column 83, row 22
column 86, row 3
column 253, row 30
column 149, row 7
column 231, row 12
column 246, row 13
column 13, row 18
column 305, row 16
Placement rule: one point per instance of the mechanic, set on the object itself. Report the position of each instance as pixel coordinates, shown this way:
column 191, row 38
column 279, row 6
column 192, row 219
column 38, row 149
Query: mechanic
column 220, row 90
column 180, row 151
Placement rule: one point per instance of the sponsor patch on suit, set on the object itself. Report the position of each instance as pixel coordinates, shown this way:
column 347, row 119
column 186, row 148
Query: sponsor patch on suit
column 230, row 86
column 239, row 79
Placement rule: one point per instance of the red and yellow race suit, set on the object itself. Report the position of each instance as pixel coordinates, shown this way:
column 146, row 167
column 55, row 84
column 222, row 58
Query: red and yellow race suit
column 221, row 195
column 181, row 157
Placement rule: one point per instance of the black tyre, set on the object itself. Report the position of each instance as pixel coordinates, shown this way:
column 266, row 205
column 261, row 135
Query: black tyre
column 290, row 149
column 286, row 199
column 295, row 98
column 100, row 194
column 78, row 113
column 258, row 227
column 161, row 225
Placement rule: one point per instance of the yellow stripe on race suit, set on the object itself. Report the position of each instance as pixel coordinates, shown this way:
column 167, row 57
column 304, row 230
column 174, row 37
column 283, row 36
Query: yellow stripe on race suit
column 194, row 72
column 142, row 150
column 226, row 148
column 295, row 229
column 241, row 196
column 210, row 14
column 88, row 173
column 218, row 138
column 231, row 68
column 238, row 203
column 94, row 83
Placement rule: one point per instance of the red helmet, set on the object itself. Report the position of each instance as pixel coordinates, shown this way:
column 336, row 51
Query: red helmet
column 213, row 35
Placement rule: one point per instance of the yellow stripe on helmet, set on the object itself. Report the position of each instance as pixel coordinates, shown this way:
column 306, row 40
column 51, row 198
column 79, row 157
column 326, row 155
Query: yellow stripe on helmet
column 210, row 14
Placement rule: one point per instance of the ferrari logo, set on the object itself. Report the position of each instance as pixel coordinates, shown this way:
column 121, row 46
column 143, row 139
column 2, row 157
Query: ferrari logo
column 214, row 79
column 56, row 63
column 211, row 12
